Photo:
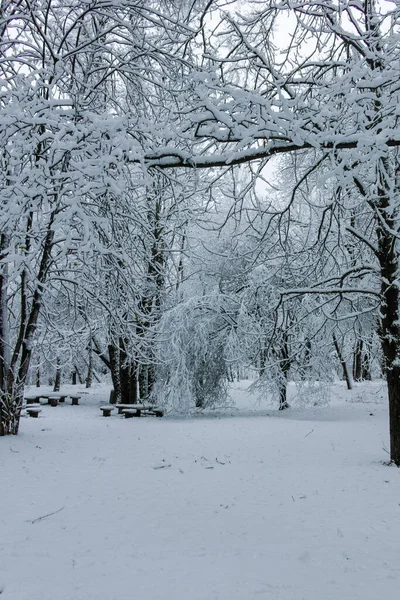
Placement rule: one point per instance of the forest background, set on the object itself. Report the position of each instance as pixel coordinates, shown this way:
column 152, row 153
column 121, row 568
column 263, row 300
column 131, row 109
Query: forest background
column 188, row 194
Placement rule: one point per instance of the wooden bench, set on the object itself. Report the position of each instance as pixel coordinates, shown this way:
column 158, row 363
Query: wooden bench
column 53, row 400
column 33, row 411
column 157, row 412
column 137, row 410
column 32, row 399
column 75, row 400
column 121, row 407
column 48, row 395
column 107, row 410
column 131, row 412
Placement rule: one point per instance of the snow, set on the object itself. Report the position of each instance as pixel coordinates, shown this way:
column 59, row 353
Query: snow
column 243, row 504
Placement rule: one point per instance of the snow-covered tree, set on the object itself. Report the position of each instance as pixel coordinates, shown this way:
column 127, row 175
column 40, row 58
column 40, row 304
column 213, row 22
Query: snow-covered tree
column 290, row 76
column 70, row 78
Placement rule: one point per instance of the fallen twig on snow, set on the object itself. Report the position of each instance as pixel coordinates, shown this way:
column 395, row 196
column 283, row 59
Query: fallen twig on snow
column 48, row 515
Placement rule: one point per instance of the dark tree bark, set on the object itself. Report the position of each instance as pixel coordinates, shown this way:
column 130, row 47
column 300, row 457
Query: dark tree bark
column 113, row 364
column 143, row 382
column 346, row 374
column 147, row 375
column 389, row 330
column 366, row 368
column 12, row 390
column 57, row 382
column 89, row 376
column 358, row 361
column 284, row 366
column 128, row 375
column 361, row 363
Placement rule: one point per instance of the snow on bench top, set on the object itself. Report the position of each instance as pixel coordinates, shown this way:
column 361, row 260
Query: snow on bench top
column 140, row 406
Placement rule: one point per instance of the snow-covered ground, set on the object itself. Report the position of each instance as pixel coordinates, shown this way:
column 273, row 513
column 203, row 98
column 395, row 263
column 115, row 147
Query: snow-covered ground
column 251, row 504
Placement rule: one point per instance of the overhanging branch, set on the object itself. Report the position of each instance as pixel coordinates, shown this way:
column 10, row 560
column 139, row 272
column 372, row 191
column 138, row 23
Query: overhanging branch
column 167, row 158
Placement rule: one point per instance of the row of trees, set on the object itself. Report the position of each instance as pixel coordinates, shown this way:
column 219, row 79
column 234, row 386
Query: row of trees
column 80, row 85
column 195, row 189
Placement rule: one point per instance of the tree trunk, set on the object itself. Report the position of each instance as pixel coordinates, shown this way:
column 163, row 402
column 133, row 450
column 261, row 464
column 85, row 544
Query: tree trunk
column 283, row 403
column 346, row 374
column 12, row 391
column 305, row 364
column 89, row 377
column 38, row 378
column 358, row 361
column 390, row 328
column 393, row 383
column 113, row 353
column 128, row 383
column 143, row 382
column 366, row 367
column 57, row 383
column 284, row 365
column 133, row 384
column 4, row 336
column 10, row 411
column 4, row 327
column 128, row 375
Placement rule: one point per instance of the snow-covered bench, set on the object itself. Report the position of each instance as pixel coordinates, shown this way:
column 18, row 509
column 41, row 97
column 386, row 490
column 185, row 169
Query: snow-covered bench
column 130, row 412
column 137, row 410
column 53, row 400
column 156, row 411
column 107, row 410
column 32, row 399
column 75, row 400
column 60, row 397
column 122, row 407
column 33, row 411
